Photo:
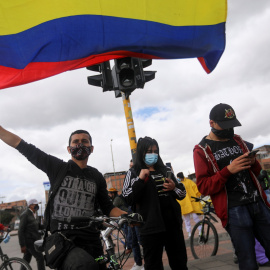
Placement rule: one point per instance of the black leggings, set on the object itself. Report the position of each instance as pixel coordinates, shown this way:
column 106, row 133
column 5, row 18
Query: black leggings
column 174, row 243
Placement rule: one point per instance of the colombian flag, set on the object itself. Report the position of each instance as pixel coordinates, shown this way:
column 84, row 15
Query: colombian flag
column 42, row 38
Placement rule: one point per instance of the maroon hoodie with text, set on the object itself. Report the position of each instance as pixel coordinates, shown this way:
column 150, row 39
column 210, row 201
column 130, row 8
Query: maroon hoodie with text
column 211, row 180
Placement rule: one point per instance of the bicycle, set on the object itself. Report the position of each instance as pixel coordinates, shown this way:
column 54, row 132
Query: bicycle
column 13, row 263
column 206, row 244
column 106, row 225
column 114, row 234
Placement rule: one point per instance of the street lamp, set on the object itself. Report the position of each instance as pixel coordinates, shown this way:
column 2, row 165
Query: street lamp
column 112, row 159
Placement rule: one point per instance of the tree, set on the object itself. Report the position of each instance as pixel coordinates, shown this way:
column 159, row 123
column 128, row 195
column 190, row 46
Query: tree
column 5, row 217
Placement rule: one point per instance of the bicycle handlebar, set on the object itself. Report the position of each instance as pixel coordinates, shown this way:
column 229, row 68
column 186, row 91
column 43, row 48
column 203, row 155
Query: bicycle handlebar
column 200, row 199
column 106, row 221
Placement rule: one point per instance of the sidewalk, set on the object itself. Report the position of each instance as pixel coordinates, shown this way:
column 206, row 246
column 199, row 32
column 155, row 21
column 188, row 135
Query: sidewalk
column 222, row 261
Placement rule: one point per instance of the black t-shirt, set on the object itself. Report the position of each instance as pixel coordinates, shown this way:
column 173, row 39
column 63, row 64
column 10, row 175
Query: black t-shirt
column 79, row 194
column 74, row 198
column 240, row 187
column 164, row 200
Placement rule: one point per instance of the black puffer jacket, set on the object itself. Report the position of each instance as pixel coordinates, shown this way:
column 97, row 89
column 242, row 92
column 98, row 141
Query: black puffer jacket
column 28, row 230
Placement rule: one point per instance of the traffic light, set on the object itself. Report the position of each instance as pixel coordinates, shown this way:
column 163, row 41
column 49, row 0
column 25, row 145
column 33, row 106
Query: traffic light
column 128, row 74
column 103, row 80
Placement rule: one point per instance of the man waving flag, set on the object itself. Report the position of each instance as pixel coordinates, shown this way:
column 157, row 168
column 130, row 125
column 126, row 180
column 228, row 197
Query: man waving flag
column 39, row 39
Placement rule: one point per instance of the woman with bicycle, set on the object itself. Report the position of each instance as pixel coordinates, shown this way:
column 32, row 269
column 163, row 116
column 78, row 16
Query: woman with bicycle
column 153, row 195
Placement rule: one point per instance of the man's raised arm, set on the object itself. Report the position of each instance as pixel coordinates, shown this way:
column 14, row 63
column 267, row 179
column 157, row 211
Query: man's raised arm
column 9, row 138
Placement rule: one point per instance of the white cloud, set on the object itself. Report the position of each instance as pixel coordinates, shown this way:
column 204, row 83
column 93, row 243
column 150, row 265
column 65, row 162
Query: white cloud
column 46, row 112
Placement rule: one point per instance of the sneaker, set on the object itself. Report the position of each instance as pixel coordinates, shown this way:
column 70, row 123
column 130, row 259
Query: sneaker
column 264, row 264
column 137, row 267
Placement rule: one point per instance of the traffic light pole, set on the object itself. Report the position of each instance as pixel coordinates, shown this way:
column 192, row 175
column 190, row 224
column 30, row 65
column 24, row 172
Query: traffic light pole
column 130, row 125
column 126, row 76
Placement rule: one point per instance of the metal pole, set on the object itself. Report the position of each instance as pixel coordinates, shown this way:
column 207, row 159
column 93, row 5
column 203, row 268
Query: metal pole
column 41, row 219
column 112, row 159
column 1, row 208
column 130, row 125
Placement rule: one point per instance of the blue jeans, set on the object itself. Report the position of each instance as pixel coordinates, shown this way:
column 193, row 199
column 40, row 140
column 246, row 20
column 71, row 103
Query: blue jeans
column 134, row 232
column 128, row 237
column 247, row 222
column 267, row 192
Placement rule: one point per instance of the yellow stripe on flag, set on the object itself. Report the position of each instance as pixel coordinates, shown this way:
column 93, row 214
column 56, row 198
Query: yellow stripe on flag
column 19, row 15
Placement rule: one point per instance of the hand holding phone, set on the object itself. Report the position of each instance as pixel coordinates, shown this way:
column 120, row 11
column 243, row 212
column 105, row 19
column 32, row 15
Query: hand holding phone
column 169, row 184
column 253, row 153
column 169, row 174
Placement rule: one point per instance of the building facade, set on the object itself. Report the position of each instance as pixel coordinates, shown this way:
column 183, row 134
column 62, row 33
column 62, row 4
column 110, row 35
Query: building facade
column 14, row 208
column 115, row 180
column 263, row 156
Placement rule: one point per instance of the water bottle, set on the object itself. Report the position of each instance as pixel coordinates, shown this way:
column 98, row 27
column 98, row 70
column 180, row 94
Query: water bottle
column 6, row 240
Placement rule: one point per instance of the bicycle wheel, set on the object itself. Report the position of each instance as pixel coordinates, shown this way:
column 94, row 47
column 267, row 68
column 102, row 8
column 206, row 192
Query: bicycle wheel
column 120, row 246
column 15, row 264
column 206, row 243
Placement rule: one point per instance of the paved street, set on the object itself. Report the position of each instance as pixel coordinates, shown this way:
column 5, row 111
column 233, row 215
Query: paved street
column 223, row 260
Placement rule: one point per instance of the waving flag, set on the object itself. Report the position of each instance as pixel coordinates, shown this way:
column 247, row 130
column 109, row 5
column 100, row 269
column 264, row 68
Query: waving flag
column 42, row 38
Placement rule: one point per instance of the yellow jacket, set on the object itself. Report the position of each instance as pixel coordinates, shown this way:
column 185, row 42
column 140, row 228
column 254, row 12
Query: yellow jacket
column 188, row 205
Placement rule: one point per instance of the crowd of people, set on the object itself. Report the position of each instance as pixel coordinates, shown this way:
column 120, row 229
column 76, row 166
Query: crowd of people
column 225, row 170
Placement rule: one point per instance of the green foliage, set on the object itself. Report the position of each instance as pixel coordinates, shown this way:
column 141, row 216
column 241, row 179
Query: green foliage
column 5, row 217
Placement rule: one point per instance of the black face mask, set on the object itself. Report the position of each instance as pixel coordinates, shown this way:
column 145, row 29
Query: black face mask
column 224, row 133
column 36, row 207
column 80, row 152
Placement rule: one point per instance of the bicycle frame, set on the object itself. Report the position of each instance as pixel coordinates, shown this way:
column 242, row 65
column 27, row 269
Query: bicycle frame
column 117, row 238
column 4, row 257
column 110, row 246
column 207, row 216
column 208, row 236
column 106, row 225
column 9, row 263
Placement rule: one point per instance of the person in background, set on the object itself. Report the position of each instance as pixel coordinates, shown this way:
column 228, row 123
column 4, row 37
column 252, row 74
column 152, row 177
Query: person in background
column 189, row 207
column 29, row 232
column 153, row 195
column 225, row 171
column 265, row 183
column 2, row 227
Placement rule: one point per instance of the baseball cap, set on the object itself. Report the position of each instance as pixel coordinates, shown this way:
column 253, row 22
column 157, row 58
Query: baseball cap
column 32, row 201
column 224, row 115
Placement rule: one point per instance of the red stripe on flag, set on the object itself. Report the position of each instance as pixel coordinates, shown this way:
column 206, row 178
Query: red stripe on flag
column 202, row 61
column 10, row 77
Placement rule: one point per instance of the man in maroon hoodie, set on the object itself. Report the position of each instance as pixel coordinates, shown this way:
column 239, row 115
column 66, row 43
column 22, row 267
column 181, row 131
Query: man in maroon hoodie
column 226, row 173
